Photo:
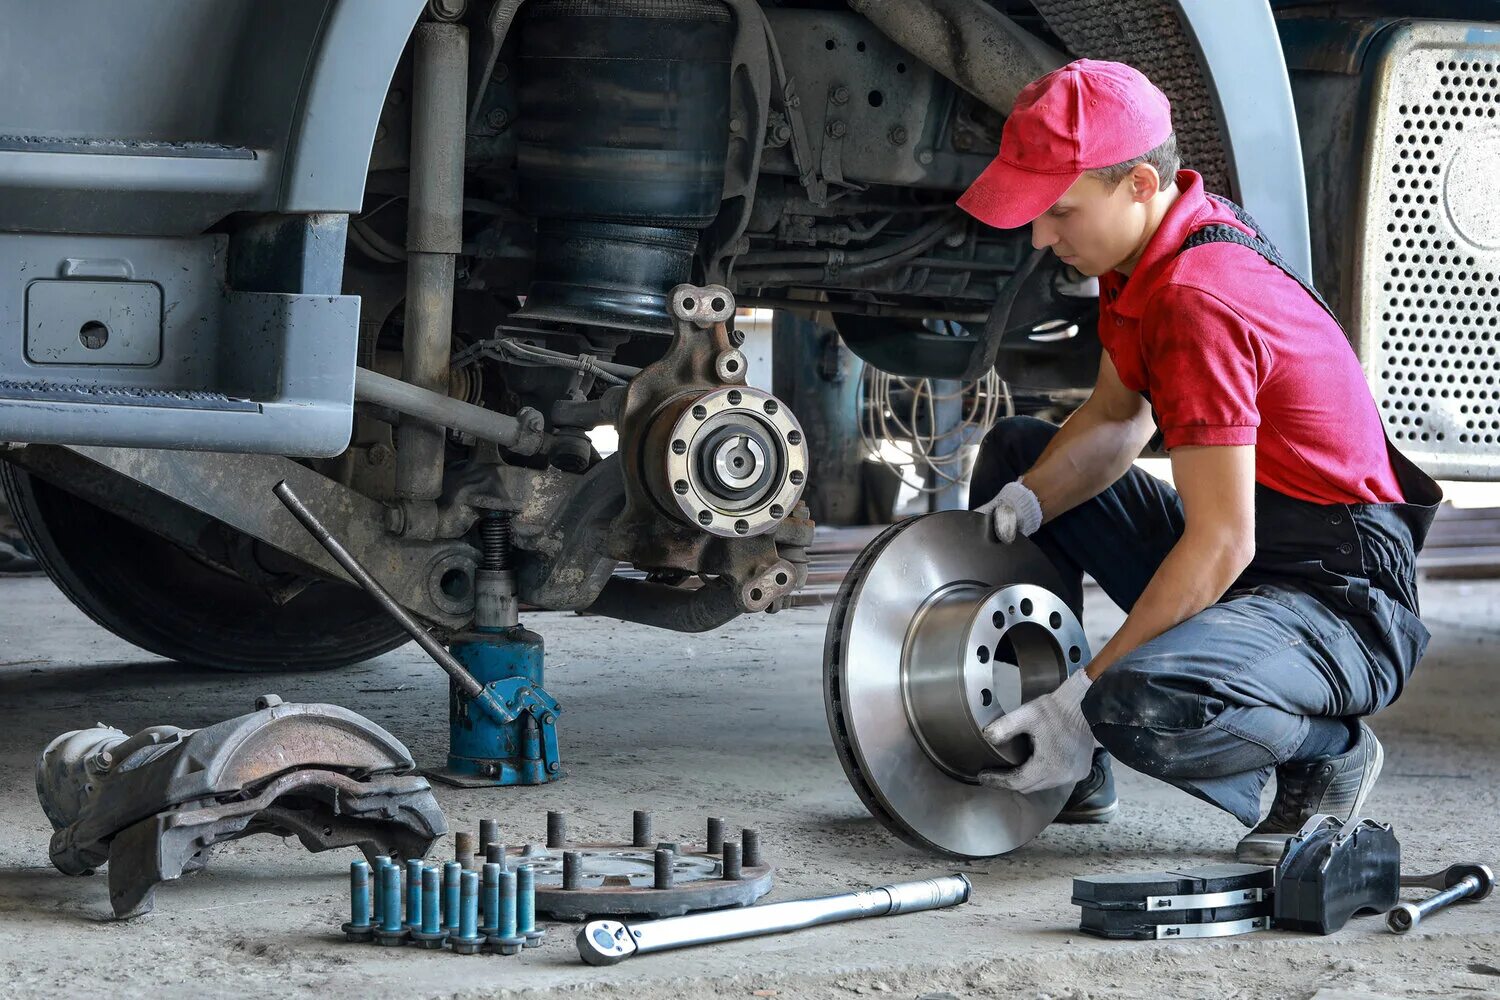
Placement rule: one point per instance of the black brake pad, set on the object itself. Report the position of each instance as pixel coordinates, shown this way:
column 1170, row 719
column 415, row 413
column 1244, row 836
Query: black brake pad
column 1183, row 902
column 1332, row 870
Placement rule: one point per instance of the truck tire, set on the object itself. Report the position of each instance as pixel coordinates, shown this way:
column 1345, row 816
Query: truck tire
column 150, row 592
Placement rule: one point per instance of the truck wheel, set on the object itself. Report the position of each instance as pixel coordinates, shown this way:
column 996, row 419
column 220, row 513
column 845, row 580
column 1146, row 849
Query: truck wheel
column 150, row 592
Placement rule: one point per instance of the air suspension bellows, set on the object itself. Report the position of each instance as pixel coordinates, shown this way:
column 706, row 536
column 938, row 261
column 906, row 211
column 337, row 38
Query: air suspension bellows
column 623, row 136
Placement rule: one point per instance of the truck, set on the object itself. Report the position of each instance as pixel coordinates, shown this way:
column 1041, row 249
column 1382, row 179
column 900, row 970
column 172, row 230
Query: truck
column 407, row 255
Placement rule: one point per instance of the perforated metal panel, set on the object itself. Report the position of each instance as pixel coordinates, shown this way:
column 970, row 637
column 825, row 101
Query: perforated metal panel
column 1428, row 319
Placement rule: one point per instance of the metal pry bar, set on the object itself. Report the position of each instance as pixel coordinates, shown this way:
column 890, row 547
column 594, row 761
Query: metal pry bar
column 471, row 688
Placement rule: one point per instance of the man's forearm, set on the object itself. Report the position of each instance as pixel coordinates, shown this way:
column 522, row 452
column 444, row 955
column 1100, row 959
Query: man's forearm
column 1193, row 576
column 1084, row 458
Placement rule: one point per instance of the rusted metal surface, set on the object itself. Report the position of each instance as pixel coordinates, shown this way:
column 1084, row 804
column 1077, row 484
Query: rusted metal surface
column 152, row 805
column 969, row 42
column 654, row 539
column 236, row 489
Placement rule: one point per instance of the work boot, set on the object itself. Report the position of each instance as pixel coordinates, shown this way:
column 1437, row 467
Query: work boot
column 1337, row 786
column 1093, row 799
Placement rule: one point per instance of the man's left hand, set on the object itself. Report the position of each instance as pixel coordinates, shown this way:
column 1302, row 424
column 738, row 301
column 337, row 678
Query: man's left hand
column 1062, row 744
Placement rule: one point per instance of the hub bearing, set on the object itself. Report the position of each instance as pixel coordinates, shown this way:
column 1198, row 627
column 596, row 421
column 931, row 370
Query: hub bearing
column 732, row 461
column 937, row 631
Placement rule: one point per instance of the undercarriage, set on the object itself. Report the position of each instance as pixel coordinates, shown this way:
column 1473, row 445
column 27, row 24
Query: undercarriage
column 563, row 204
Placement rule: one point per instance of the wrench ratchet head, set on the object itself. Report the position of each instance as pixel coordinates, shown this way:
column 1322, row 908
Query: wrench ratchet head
column 1481, row 873
column 605, row 942
column 1448, row 877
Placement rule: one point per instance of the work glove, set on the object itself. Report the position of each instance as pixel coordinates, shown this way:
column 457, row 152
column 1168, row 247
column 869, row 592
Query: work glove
column 1061, row 741
column 1014, row 510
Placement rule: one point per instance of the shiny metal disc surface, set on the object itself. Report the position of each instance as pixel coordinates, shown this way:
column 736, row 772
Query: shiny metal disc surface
column 937, row 630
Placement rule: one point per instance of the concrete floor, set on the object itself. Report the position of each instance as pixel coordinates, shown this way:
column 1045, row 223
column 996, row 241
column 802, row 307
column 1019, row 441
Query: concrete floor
column 727, row 724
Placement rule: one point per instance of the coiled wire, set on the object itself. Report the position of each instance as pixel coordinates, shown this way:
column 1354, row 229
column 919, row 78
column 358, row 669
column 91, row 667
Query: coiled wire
column 881, row 423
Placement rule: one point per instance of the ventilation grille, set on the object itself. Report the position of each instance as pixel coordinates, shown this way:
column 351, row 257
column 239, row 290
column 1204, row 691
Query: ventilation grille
column 1430, row 328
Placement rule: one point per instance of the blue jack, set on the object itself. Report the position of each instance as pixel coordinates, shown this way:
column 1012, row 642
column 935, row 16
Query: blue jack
column 511, row 737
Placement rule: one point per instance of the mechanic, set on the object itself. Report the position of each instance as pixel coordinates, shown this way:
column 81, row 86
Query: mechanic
column 1271, row 595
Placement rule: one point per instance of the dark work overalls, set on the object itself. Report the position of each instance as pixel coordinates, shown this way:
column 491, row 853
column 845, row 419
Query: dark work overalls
column 1324, row 621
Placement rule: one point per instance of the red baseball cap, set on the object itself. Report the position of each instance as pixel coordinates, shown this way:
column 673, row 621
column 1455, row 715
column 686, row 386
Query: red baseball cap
column 1085, row 116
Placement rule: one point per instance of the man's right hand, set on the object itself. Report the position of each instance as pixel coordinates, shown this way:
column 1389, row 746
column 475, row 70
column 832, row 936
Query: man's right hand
column 1013, row 511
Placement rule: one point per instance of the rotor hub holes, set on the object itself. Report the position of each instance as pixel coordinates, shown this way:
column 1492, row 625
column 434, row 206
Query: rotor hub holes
column 976, row 653
column 732, row 461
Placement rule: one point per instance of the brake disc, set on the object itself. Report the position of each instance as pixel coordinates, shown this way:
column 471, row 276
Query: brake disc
column 937, row 631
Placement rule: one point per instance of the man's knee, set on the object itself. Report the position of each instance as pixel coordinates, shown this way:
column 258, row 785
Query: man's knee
column 1144, row 720
column 1011, row 447
column 1141, row 691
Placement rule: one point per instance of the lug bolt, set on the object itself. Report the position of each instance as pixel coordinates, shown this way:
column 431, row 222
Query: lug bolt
column 413, row 893
column 463, row 850
column 494, row 853
column 505, row 940
column 359, row 927
column 663, row 870
column 732, row 860
column 489, row 899
column 377, row 888
column 526, row 907
column 837, row 129
column 898, row 136
column 468, row 940
column 751, row 850
column 489, row 833
column 390, row 932
column 840, row 95
column 557, row 829
column 431, row 934
column 715, row 835
column 452, row 871
column 640, row 822
column 572, row 869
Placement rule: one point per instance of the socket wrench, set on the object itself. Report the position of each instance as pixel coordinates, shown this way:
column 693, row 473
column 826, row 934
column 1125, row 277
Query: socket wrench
column 1472, row 882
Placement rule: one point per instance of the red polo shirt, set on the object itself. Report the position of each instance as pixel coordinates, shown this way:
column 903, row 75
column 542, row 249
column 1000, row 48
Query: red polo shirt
column 1234, row 352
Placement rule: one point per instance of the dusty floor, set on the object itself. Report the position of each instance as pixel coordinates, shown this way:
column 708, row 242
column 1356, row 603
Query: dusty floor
column 727, row 724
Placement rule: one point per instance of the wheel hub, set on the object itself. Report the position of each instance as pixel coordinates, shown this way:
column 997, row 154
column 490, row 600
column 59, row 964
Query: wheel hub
column 732, row 461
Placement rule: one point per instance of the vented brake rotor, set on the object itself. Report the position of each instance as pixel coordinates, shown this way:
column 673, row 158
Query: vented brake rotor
column 937, row 631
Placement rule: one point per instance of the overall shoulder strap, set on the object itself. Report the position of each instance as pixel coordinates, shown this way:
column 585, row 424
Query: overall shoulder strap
column 1421, row 492
column 1223, row 233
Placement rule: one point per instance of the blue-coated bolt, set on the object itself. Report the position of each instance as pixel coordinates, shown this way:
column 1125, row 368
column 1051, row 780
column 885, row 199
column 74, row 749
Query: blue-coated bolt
column 390, row 931
column 505, row 940
column 526, row 906
column 413, row 894
column 359, row 927
column 431, row 933
column 468, row 940
column 489, row 896
column 377, row 887
column 451, row 882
